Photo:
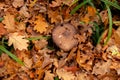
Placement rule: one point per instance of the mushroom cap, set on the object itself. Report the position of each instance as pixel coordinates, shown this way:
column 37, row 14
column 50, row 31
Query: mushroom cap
column 63, row 36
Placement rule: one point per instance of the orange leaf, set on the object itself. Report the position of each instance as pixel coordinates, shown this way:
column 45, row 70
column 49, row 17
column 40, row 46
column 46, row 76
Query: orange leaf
column 40, row 24
column 91, row 13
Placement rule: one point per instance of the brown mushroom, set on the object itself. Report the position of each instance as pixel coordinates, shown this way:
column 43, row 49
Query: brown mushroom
column 63, row 36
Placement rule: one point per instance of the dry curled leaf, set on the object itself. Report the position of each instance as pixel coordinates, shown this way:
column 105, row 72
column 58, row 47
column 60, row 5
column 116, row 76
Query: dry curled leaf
column 40, row 24
column 18, row 41
column 63, row 74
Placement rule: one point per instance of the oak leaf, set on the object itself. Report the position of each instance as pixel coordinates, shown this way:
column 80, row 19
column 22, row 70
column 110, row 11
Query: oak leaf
column 18, row 41
column 40, row 24
column 9, row 22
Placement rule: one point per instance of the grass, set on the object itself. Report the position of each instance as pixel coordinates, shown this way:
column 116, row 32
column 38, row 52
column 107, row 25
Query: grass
column 3, row 49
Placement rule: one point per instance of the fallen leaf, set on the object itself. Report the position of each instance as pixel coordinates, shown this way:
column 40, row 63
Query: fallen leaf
column 114, row 50
column 91, row 13
column 18, row 41
column 56, row 3
column 24, row 11
column 40, row 24
column 28, row 62
column 63, row 74
column 54, row 16
column 18, row 3
column 49, row 76
column 2, row 30
column 9, row 22
column 101, row 68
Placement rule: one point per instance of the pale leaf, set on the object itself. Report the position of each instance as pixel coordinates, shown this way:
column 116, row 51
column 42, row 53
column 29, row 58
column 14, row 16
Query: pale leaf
column 49, row 76
column 63, row 74
column 18, row 41
column 18, row 3
column 9, row 22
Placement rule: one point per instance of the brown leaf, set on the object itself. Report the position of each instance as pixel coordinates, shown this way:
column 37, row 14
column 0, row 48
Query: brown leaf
column 101, row 68
column 54, row 16
column 40, row 24
column 49, row 76
column 56, row 3
column 24, row 11
column 63, row 74
column 91, row 13
column 18, row 3
column 2, row 30
column 9, row 22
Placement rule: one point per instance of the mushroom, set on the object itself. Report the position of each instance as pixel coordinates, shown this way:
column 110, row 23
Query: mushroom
column 63, row 36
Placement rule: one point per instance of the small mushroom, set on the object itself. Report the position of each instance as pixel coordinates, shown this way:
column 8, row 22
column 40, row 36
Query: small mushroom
column 63, row 36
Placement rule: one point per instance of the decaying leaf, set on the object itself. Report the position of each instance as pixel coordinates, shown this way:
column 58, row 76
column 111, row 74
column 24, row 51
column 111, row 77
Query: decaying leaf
column 18, row 41
column 63, row 74
column 9, row 22
column 40, row 24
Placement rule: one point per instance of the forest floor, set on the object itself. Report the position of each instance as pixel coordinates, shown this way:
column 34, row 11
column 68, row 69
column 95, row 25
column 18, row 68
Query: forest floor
column 59, row 40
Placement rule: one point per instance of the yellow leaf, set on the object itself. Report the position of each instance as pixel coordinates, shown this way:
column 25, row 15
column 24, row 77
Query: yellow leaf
column 9, row 22
column 40, row 24
column 18, row 41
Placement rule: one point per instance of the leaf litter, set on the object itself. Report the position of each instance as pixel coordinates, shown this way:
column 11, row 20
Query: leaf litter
column 26, row 29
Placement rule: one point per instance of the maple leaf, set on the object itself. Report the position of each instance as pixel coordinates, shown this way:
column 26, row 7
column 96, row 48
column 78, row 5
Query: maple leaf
column 65, row 75
column 18, row 41
column 40, row 24
column 9, row 22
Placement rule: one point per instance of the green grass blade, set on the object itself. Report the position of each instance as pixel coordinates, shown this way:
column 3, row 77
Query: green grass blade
column 111, row 4
column 1, row 19
column 2, row 48
column 79, row 6
column 110, row 24
column 38, row 38
column 75, row 1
